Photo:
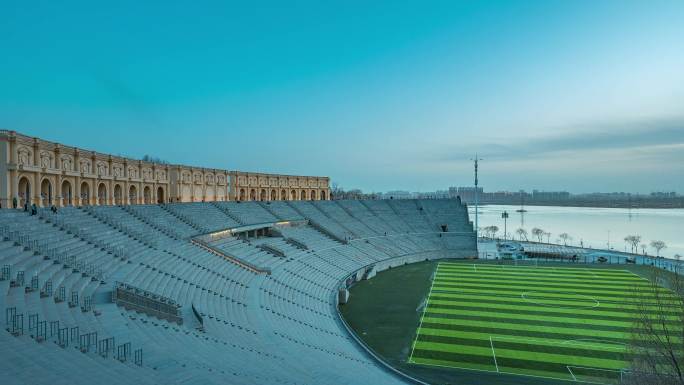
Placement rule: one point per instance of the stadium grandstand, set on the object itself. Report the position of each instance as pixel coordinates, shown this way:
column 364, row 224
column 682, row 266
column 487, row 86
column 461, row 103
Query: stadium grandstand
column 134, row 272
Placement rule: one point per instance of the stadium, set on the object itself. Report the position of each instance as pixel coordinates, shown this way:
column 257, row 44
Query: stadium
column 245, row 278
column 342, row 193
column 212, row 291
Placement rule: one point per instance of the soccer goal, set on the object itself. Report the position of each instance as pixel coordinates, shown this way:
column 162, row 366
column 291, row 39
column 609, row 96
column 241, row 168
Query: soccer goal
column 533, row 262
column 591, row 375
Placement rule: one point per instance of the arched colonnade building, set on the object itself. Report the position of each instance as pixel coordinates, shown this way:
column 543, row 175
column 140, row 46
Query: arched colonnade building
column 249, row 186
column 45, row 173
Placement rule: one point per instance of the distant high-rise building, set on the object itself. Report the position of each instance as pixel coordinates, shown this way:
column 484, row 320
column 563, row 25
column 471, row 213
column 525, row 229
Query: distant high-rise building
column 467, row 194
column 550, row 195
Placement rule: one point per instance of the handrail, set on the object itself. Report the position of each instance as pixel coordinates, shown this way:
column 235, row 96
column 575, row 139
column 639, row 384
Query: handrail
column 231, row 258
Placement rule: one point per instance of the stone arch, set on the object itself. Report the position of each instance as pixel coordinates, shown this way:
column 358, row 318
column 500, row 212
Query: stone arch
column 242, row 195
column 283, row 195
column 118, row 194
column 262, row 196
column 186, row 193
column 274, row 195
column 302, row 195
column 252, row 195
column 66, row 193
column 160, row 195
column 133, row 195
column 293, row 195
column 322, row 195
column 102, row 194
column 85, row 193
column 220, row 193
column 209, row 194
column 197, row 194
column 313, row 195
column 46, row 192
column 24, row 191
column 147, row 195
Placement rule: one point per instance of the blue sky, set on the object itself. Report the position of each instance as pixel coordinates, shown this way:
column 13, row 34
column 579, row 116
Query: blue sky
column 575, row 95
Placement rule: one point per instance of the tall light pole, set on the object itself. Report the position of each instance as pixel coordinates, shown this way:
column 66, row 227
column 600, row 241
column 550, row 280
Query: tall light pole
column 504, row 215
column 477, row 211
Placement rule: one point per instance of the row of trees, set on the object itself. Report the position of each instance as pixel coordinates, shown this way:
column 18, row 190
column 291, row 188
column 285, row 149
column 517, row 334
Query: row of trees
column 153, row 159
column 338, row 192
column 634, row 242
column 538, row 234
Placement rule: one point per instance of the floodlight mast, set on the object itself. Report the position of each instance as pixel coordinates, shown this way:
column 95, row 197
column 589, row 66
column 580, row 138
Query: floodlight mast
column 477, row 228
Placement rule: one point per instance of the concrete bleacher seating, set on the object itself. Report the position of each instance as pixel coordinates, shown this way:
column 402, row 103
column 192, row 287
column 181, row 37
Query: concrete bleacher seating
column 205, row 216
column 247, row 213
column 239, row 326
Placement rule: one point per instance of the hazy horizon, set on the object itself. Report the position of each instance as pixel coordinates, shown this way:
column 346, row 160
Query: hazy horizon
column 577, row 96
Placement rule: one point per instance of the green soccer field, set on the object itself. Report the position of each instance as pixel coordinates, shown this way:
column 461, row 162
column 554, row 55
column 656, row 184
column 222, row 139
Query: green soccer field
column 549, row 322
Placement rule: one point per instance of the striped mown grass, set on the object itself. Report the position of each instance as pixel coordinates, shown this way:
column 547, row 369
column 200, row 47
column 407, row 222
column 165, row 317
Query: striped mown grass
column 567, row 323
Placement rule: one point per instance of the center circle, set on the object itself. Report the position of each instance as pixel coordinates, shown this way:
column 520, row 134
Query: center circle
column 562, row 300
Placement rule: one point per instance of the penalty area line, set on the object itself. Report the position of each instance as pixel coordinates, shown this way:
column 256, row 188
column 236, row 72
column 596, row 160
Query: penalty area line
column 508, row 373
column 491, row 343
column 427, row 301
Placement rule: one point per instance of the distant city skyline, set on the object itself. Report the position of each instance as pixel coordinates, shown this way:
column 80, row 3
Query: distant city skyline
column 578, row 96
column 471, row 189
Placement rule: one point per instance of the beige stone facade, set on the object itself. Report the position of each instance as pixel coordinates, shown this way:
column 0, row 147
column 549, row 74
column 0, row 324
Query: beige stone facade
column 248, row 186
column 47, row 173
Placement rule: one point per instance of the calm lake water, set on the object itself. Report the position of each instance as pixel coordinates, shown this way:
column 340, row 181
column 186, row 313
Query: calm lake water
column 594, row 227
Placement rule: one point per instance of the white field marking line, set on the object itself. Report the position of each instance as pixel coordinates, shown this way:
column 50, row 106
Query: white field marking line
column 491, row 343
column 509, row 373
column 576, row 342
column 513, row 272
column 596, row 304
column 597, row 343
column 413, row 348
column 637, row 275
column 618, row 371
column 571, row 373
column 597, row 369
column 539, row 271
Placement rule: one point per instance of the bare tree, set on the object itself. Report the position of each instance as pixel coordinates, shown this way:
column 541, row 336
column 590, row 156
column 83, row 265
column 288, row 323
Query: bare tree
column 539, row 233
column 488, row 231
column 657, row 340
column 636, row 239
column 565, row 237
column 336, row 190
column 633, row 241
column 522, row 234
column 628, row 240
column 658, row 245
column 643, row 248
column 492, row 230
column 548, row 237
column 153, row 159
